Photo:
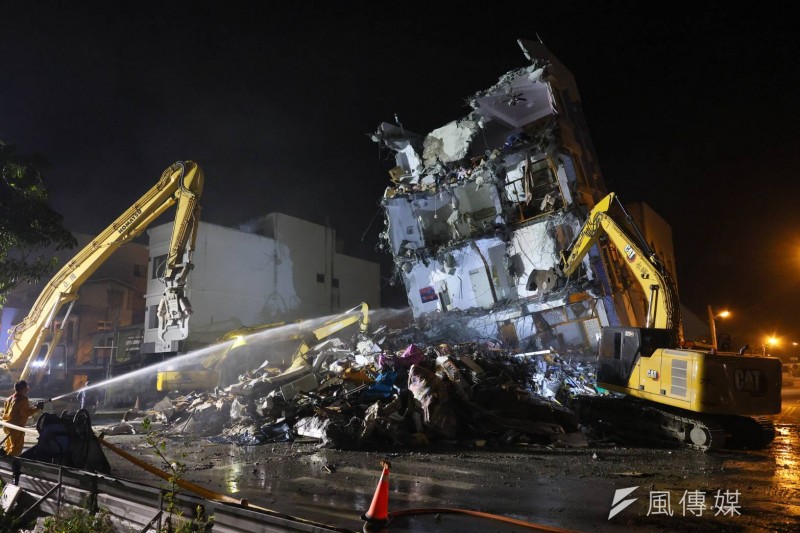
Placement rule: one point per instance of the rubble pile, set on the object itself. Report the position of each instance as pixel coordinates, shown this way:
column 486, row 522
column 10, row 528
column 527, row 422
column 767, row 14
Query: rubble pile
column 470, row 393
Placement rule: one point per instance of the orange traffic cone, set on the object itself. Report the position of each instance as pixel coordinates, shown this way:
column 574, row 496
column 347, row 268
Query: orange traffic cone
column 138, row 404
column 378, row 514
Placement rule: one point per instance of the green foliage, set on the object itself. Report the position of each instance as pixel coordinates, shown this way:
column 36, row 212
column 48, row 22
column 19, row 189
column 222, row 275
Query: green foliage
column 79, row 521
column 27, row 223
column 176, row 469
column 8, row 522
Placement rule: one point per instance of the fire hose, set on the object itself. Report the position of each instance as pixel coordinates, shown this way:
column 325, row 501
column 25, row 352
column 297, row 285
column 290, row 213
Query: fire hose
column 210, row 494
column 216, row 496
column 223, row 498
column 9, row 425
column 480, row 514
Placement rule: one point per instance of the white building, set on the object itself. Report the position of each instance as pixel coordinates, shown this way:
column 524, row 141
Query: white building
column 273, row 269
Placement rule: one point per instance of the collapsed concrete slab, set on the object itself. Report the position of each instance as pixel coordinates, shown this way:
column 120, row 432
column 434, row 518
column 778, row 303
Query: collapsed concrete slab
column 480, row 210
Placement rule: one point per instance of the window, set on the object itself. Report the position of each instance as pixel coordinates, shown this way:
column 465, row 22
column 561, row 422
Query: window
column 114, row 298
column 139, row 271
column 335, row 283
column 158, row 266
column 320, row 278
column 152, row 317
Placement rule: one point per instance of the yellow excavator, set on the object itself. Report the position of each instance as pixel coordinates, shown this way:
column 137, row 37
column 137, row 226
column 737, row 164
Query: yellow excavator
column 697, row 398
column 181, row 184
column 240, row 355
column 219, row 368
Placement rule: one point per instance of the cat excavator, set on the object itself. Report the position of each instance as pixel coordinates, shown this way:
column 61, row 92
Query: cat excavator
column 181, row 184
column 675, row 393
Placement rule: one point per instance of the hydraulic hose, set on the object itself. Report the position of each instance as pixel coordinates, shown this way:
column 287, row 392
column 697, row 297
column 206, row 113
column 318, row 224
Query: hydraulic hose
column 480, row 514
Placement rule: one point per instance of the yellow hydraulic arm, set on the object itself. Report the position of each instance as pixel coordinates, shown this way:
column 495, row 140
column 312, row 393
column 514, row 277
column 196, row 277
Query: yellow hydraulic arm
column 181, row 183
column 359, row 314
column 663, row 308
column 239, row 338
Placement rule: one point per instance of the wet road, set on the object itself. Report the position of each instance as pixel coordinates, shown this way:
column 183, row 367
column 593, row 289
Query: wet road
column 571, row 489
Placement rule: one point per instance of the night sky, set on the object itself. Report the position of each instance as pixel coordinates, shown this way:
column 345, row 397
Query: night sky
column 692, row 110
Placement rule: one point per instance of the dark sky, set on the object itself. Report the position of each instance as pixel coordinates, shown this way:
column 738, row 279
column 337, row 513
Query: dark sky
column 693, row 110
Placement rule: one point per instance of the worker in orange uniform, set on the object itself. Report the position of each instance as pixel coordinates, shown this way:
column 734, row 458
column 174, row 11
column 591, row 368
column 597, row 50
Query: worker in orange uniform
column 17, row 410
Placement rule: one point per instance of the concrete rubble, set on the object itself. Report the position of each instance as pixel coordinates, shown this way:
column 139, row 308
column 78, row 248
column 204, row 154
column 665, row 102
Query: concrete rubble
column 477, row 216
column 388, row 392
column 479, row 211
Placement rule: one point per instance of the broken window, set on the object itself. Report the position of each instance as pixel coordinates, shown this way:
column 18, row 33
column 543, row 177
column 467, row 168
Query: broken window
column 456, row 213
column 531, row 187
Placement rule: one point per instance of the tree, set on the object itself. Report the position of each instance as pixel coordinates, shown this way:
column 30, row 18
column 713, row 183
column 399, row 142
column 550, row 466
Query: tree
column 27, row 223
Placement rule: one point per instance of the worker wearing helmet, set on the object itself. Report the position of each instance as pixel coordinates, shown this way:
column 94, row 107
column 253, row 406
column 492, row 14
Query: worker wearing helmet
column 17, row 410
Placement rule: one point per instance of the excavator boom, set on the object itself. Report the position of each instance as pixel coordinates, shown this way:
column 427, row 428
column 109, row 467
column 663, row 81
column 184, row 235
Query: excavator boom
column 181, row 184
column 663, row 312
column 223, row 366
column 695, row 398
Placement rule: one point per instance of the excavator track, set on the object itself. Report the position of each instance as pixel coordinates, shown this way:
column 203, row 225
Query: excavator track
column 748, row 433
column 640, row 422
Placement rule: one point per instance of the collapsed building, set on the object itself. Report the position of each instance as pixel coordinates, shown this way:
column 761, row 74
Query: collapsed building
column 477, row 216
column 480, row 209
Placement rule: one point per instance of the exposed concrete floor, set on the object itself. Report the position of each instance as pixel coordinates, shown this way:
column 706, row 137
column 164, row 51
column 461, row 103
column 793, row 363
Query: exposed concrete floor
column 571, row 489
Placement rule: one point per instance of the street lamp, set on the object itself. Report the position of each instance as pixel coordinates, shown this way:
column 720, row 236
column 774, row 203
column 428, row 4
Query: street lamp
column 712, row 321
column 772, row 342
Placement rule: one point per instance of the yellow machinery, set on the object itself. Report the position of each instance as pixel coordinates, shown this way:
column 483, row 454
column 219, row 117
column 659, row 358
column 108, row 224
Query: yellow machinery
column 181, row 184
column 204, row 375
column 224, row 366
column 697, row 397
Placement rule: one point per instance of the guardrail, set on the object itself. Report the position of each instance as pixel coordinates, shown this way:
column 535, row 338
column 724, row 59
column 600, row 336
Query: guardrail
column 46, row 488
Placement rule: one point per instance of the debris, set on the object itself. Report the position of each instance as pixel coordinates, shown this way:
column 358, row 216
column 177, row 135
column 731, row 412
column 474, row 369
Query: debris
column 405, row 393
column 276, row 432
column 433, row 396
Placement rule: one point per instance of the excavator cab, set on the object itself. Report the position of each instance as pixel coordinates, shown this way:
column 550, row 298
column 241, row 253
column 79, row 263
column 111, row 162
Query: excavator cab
column 621, row 348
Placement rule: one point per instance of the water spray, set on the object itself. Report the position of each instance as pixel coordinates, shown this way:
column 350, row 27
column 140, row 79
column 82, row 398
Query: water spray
column 188, row 358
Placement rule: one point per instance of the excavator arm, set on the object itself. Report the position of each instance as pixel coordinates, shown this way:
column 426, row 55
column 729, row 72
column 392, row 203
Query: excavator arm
column 181, row 184
column 663, row 309
column 212, row 367
column 358, row 314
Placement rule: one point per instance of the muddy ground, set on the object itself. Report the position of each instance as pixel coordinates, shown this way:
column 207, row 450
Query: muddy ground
column 572, row 489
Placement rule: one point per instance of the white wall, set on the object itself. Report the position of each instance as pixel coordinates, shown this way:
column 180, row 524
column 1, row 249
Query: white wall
column 359, row 281
column 312, row 248
column 241, row 278
column 238, row 279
